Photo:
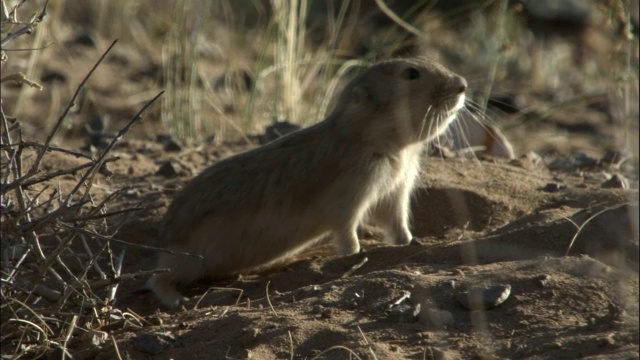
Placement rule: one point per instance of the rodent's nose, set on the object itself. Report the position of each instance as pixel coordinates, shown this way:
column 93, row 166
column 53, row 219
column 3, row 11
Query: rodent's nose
column 460, row 84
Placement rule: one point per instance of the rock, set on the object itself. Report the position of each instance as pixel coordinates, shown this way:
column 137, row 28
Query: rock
column 404, row 313
column 50, row 76
column 484, row 298
column 529, row 161
column 616, row 181
column 543, row 280
column 85, row 39
column 172, row 145
column 95, row 129
column 583, row 160
column 249, row 336
column 167, row 169
column 552, row 187
column 211, row 140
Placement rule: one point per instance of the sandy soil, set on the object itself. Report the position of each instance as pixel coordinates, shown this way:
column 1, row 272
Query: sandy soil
column 557, row 225
column 478, row 223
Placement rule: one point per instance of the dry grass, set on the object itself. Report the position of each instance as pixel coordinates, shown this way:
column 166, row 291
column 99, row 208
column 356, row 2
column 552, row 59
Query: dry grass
column 207, row 50
column 55, row 246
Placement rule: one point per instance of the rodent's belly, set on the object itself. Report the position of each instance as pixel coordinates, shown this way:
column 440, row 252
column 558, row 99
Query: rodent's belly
column 234, row 243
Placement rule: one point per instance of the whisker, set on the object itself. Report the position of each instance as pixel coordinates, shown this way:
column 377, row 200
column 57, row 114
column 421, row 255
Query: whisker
column 424, row 121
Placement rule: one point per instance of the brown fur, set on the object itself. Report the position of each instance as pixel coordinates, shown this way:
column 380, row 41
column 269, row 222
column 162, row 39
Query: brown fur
column 268, row 203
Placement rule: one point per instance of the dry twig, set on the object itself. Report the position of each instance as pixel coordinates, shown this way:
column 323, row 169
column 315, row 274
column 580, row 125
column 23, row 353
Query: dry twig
column 32, row 210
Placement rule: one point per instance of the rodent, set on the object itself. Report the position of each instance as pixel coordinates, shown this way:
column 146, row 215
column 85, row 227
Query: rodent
column 359, row 164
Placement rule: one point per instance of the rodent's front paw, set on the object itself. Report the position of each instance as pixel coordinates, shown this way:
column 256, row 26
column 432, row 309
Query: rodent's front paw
column 173, row 301
column 403, row 238
column 165, row 291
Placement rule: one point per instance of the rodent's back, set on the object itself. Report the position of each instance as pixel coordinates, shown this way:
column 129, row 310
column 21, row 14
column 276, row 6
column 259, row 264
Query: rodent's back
column 292, row 172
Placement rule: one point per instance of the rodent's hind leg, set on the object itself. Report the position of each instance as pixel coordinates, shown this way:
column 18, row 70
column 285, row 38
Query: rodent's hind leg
column 163, row 287
column 345, row 241
column 184, row 269
column 391, row 214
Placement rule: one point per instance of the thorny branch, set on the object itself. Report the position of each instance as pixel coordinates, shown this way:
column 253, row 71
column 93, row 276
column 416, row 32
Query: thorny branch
column 33, row 269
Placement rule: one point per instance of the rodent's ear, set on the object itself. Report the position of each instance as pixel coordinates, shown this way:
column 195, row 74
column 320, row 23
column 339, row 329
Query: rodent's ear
column 359, row 94
column 369, row 94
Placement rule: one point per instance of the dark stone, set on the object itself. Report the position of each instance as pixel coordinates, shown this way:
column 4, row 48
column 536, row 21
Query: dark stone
column 484, row 298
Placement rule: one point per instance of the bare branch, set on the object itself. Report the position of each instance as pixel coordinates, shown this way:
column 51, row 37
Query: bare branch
column 36, row 165
column 100, row 160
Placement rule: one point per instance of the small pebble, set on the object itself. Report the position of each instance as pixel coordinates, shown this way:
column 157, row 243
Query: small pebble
column 50, row 76
column 543, row 280
column 552, row 187
column 484, row 298
column 403, row 313
column 529, row 161
column 172, row 145
column 249, row 336
column 131, row 193
column 161, row 138
column 169, row 143
column 584, row 160
column 85, row 39
column 327, row 313
column 167, row 169
column 606, row 341
column 317, row 309
column 212, row 140
column 616, row 181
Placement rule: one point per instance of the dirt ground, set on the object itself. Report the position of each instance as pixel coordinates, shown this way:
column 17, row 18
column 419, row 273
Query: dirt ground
column 478, row 224
column 555, row 229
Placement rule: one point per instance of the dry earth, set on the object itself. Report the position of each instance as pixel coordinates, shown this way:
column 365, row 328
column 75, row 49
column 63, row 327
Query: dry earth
column 478, row 223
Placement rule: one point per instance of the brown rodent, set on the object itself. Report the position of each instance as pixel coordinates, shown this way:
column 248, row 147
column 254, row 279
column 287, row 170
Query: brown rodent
column 359, row 164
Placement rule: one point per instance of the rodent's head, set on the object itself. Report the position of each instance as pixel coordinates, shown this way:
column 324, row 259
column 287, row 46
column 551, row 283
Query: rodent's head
column 405, row 101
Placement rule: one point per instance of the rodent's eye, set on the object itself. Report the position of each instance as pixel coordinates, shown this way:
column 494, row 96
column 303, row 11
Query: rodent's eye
column 410, row 73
